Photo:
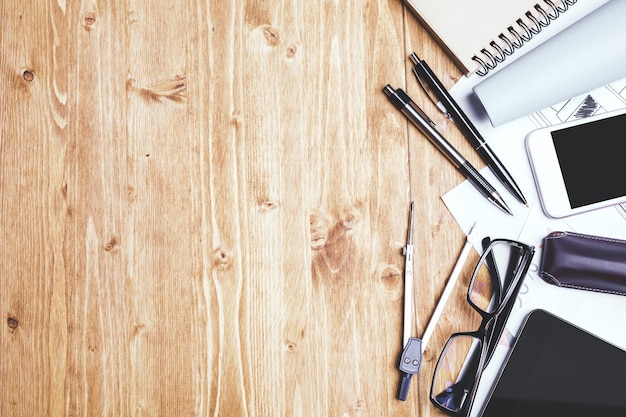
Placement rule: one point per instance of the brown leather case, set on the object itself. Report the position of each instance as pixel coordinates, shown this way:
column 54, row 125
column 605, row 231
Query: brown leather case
column 584, row 262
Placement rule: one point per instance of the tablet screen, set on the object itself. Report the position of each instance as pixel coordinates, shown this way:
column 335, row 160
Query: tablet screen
column 557, row 369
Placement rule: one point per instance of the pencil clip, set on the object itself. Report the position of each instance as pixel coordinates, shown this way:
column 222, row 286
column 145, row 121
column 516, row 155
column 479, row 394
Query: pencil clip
column 430, row 94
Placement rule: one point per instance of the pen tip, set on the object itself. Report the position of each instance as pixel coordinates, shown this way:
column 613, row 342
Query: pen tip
column 498, row 201
column 521, row 198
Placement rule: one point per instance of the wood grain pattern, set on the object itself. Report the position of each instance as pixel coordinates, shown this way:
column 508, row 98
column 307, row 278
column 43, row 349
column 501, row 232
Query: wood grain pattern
column 203, row 205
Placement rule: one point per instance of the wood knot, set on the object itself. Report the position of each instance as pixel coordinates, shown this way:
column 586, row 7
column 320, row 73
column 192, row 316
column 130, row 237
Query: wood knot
column 89, row 20
column 111, row 244
column 138, row 329
column 12, row 323
column 428, row 355
column 319, row 225
column 290, row 346
column 359, row 405
column 222, row 257
column 131, row 194
column 292, row 50
column 391, row 280
column 173, row 89
column 28, row 76
column 236, row 119
column 348, row 220
column 271, row 35
column 267, row 205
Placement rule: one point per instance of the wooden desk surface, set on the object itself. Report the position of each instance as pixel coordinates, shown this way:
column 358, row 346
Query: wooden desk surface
column 203, row 206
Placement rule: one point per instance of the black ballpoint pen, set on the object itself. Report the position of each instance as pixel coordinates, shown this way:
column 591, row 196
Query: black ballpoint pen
column 405, row 104
column 429, row 82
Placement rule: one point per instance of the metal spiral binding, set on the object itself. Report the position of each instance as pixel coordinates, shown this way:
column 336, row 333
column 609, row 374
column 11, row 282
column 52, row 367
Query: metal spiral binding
column 515, row 38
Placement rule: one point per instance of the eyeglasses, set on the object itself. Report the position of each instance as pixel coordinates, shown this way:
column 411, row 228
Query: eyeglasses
column 491, row 293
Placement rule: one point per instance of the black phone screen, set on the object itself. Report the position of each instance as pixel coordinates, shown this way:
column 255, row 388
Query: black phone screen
column 557, row 369
column 591, row 157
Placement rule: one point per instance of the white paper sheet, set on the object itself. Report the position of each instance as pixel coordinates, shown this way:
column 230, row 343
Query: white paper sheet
column 594, row 312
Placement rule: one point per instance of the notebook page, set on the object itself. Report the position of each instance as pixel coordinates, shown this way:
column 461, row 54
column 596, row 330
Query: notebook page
column 463, row 28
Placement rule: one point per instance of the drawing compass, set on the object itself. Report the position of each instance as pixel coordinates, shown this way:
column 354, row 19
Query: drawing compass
column 411, row 358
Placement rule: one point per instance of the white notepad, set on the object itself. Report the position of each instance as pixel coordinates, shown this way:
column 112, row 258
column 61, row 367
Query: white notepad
column 481, row 34
column 586, row 55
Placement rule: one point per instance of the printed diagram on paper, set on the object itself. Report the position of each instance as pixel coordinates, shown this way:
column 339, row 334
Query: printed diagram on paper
column 607, row 98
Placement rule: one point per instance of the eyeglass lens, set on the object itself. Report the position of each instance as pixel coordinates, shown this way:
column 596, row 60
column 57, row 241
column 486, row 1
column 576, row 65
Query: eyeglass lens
column 458, row 366
column 456, row 371
column 494, row 272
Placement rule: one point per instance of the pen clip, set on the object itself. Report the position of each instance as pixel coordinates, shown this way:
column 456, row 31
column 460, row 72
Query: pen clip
column 430, row 94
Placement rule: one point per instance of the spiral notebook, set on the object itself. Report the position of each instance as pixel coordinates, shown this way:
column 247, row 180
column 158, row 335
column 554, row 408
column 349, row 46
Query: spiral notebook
column 481, row 34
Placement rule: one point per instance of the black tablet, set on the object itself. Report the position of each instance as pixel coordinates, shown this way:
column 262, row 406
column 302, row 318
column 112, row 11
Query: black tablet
column 557, row 369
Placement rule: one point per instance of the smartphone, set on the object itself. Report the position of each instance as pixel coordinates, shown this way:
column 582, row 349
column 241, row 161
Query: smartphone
column 579, row 165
